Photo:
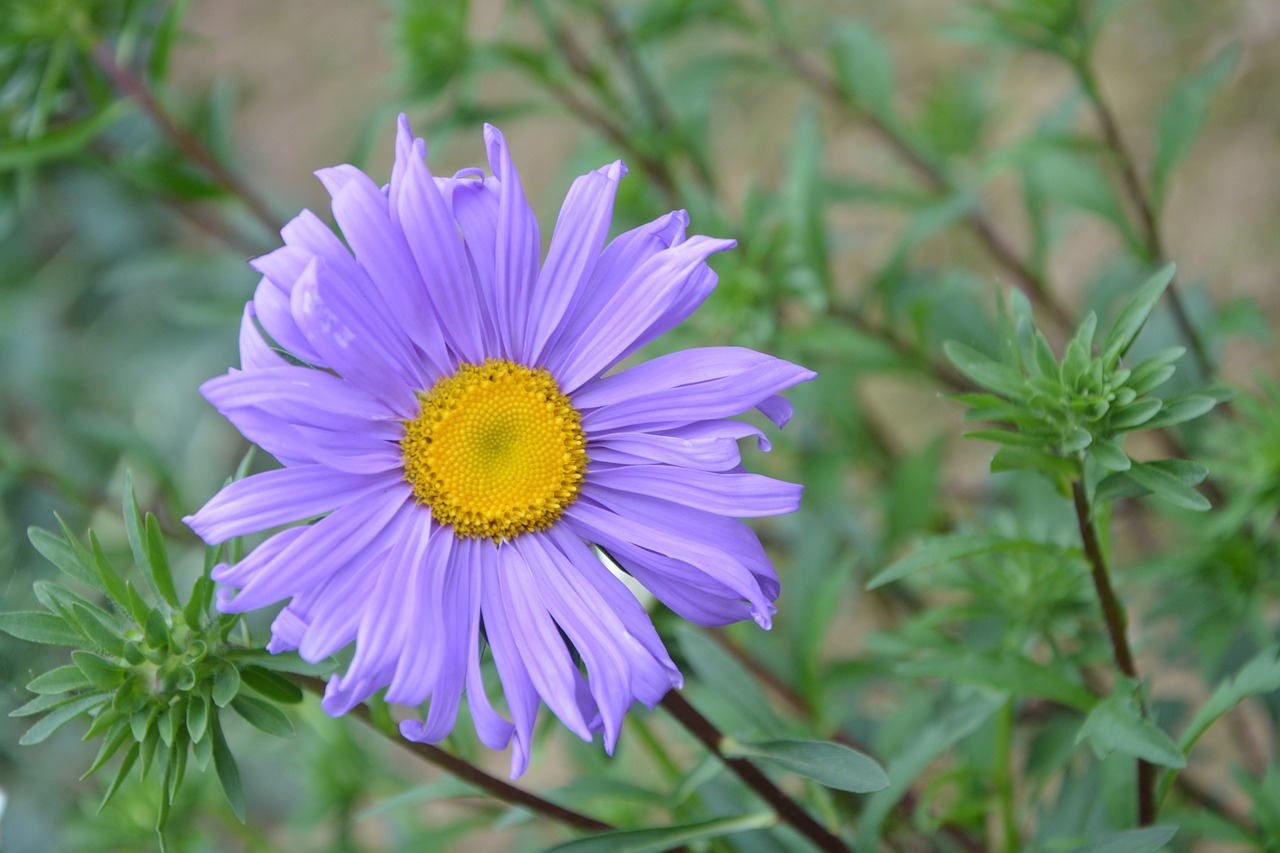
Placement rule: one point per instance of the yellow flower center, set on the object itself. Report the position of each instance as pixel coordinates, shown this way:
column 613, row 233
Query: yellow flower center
column 496, row 450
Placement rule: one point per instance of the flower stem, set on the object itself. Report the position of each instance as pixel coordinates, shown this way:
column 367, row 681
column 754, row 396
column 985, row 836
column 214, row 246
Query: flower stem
column 996, row 243
column 1146, row 211
column 787, row 809
column 454, row 766
column 1113, row 614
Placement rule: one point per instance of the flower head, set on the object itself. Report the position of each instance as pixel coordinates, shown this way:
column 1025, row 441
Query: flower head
column 444, row 410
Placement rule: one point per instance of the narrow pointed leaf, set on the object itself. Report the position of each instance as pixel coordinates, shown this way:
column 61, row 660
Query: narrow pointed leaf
column 228, row 774
column 66, row 554
column 1148, row 839
column 37, row 627
column 1134, row 315
column 158, row 559
column 664, row 838
column 263, row 715
column 59, row 717
column 830, row 764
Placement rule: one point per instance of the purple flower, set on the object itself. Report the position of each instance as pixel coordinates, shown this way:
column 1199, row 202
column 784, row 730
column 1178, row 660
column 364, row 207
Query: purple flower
column 456, row 433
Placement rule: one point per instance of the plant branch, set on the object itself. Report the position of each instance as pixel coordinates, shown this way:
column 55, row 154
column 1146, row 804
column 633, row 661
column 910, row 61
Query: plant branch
column 909, row 799
column 787, row 809
column 1146, row 212
column 451, row 764
column 1024, row 277
column 135, row 87
column 1114, row 616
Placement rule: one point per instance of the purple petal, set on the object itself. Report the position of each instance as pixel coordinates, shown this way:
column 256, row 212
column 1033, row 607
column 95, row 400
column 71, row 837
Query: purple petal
column 684, row 387
column 361, row 348
column 300, row 395
column 707, row 446
column 326, row 547
column 575, row 247
column 255, row 354
column 391, row 623
column 740, row 495
column 273, row 498
column 432, row 236
column 626, row 253
column 614, row 519
column 271, row 305
column 663, row 291
column 517, row 250
column 609, row 651
column 361, row 211
column 520, row 628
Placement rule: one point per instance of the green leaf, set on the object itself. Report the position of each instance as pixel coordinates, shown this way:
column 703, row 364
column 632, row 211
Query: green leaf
column 1134, row 415
column 156, row 629
column 110, row 746
column 60, row 680
column 66, row 554
column 960, row 718
column 197, row 716
column 445, row 789
column 1148, row 839
column 1009, row 673
column 263, row 715
column 863, row 67
column 111, row 579
column 721, row 673
column 1117, row 723
column 226, row 684
column 1166, row 485
column 225, row 765
column 45, row 702
column 37, row 627
column 832, row 765
column 271, row 685
column 986, row 372
column 664, row 838
column 1109, row 455
column 1182, row 408
column 1054, row 467
column 939, row 550
column 158, row 561
column 100, row 627
column 1260, row 675
column 64, row 141
column 99, row 670
column 197, row 605
column 1183, row 115
column 125, row 766
column 1153, row 371
column 133, row 524
column 60, row 716
column 1134, row 316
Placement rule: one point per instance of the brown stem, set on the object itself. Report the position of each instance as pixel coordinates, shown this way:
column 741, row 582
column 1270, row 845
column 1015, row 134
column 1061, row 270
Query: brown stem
column 1024, row 277
column 1146, row 213
column 187, row 143
column 451, row 764
column 1113, row 615
column 909, row 800
column 787, row 809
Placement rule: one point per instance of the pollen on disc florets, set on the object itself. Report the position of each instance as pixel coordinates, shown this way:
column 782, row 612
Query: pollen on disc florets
column 496, row 450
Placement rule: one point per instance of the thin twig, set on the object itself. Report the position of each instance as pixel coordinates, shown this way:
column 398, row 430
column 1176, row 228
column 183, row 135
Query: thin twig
column 787, row 809
column 193, row 148
column 1024, row 277
column 451, row 764
column 909, row 799
column 1113, row 615
column 1146, row 213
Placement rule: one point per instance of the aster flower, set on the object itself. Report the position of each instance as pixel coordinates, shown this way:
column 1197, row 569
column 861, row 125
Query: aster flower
column 446, row 414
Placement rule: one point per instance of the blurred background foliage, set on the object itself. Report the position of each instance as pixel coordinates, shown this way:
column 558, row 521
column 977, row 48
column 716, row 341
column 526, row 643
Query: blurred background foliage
column 888, row 169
